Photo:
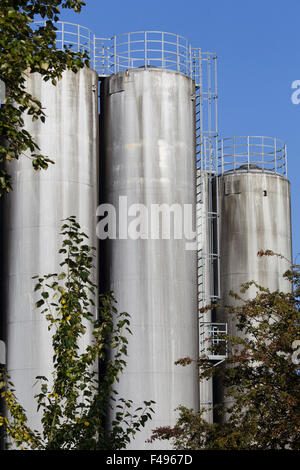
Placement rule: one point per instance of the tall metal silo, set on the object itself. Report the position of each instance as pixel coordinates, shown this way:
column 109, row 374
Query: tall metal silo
column 33, row 215
column 148, row 146
column 254, row 198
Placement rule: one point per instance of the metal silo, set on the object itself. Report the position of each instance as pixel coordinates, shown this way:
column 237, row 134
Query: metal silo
column 148, row 146
column 254, row 198
column 33, row 213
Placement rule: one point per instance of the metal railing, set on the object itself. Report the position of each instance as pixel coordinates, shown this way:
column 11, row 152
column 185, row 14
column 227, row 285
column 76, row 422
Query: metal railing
column 81, row 39
column 213, row 342
column 250, row 153
column 136, row 49
column 151, row 49
column 77, row 38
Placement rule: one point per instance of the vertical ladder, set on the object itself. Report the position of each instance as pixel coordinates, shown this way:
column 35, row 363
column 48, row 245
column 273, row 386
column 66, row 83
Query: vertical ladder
column 204, row 67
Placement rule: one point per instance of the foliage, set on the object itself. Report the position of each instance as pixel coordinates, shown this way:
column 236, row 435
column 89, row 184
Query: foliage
column 261, row 409
column 75, row 403
column 25, row 50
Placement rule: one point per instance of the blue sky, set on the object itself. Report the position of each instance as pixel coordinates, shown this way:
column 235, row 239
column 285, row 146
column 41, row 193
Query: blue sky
column 258, row 48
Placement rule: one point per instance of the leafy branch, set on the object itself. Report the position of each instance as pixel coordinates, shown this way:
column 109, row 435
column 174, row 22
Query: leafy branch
column 75, row 402
column 25, row 50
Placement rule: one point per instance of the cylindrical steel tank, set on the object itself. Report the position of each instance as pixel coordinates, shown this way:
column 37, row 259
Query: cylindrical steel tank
column 254, row 207
column 255, row 215
column 33, row 215
column 149, row 157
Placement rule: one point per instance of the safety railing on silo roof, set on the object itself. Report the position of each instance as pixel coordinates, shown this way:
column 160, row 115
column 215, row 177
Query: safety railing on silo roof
column 250, row 153
column 81, row 39
column 136, row 49
column 125, row 51
column 158, row 49
column 78, row 38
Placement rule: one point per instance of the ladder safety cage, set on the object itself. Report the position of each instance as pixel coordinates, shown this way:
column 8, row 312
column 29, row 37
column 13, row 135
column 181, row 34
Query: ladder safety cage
column 205, row 76
column 208, row 244
column 206, row 118
column 206, row 115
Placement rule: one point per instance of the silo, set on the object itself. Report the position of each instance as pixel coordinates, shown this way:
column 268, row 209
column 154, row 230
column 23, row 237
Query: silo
column 148, row 148
column 254, row 198
column 33, row 213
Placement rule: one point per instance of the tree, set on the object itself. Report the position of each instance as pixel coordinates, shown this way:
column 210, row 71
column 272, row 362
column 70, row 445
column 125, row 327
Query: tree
column 24, row 50
column 262, row 407
column 75, row 405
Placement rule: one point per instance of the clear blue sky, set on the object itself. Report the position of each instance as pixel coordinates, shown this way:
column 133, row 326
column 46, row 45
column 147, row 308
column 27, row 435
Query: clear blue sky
column 258, row 48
